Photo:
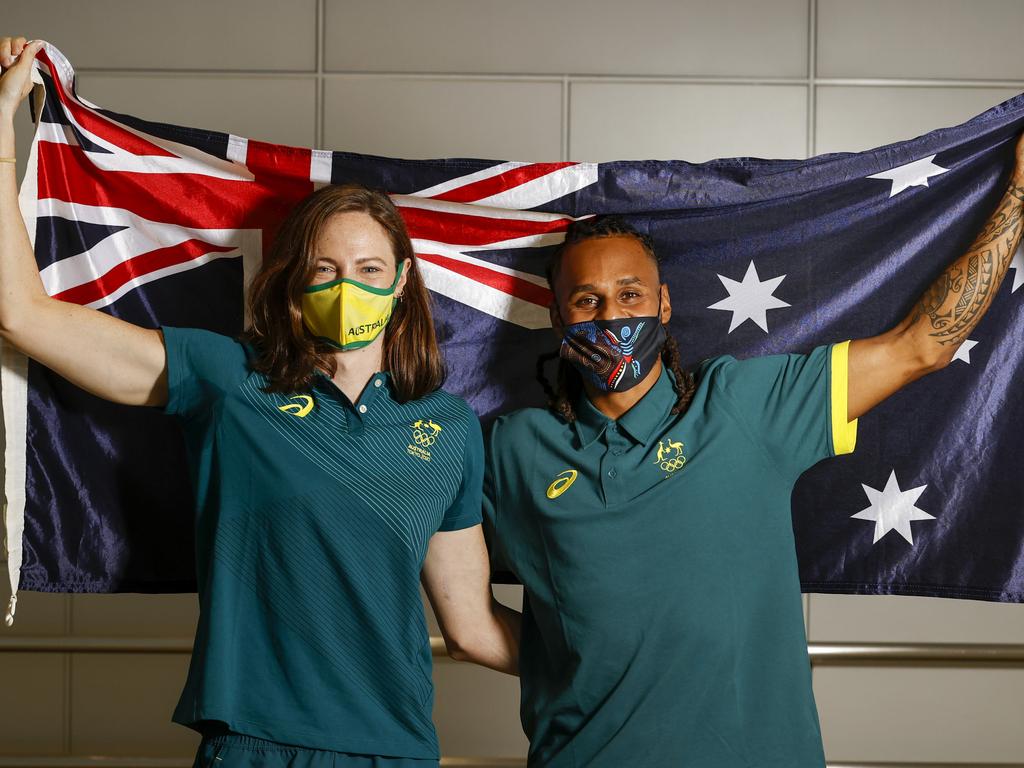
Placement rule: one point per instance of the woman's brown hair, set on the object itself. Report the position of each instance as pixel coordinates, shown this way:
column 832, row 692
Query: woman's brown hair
column 285, row 350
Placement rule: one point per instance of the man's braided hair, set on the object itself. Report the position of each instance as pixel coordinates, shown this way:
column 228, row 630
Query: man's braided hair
column 568, row 382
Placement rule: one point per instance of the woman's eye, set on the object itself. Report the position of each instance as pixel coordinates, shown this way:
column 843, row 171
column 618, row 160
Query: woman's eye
column 371, row 269
column 324, row 269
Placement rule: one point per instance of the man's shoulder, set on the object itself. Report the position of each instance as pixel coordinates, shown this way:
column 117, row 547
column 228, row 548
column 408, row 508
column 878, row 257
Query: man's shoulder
column 528, row 419
column 525, row 425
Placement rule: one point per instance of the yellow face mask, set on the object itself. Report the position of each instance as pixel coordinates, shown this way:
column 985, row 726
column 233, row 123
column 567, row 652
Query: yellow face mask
column 348, row 314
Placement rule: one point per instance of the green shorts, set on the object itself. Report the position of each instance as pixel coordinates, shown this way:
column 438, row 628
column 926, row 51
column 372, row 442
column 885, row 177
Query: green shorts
column 233, row 750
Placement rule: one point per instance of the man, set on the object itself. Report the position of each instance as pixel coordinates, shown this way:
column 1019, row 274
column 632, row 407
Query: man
column 647, row 511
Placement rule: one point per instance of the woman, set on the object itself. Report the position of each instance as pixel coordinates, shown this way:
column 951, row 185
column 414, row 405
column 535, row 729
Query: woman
column 331, row 475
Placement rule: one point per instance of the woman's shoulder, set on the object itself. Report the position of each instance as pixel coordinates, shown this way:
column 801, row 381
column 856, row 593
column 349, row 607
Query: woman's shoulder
column 205, row 352
column 454, row 406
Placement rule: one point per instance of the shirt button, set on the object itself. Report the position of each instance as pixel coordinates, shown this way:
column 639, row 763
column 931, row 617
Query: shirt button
column 362, row 409
column 376, row 382
column 612, row 473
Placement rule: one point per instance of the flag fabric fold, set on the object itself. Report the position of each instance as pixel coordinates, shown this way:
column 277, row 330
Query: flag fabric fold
column 161, row 224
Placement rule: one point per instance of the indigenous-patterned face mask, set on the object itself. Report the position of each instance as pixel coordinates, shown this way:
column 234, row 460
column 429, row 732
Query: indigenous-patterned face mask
column 348, row 314
column 614, row 355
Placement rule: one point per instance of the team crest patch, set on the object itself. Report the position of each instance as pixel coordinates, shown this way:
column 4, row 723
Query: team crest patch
column 670, row 456
column 424, row 433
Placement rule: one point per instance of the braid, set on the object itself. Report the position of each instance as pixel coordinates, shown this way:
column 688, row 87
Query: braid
column 685, row 384
column 560, row 399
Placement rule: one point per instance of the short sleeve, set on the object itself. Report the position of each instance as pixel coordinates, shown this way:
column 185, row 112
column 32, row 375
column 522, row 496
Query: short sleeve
column 794, row 404
column 201, row 367
column 464, row 512
column 501, row 568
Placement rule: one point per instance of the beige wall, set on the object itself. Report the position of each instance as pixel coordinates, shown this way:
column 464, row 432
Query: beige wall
column 532, row 80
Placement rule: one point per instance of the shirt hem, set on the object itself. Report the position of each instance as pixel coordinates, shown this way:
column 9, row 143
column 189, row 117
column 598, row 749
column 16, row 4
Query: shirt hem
column 288, row 733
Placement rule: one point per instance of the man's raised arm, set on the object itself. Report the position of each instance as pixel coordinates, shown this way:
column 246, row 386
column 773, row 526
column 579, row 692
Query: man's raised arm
column 927, row 339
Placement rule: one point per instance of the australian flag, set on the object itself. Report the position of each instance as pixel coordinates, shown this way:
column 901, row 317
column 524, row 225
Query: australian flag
column 161, row 224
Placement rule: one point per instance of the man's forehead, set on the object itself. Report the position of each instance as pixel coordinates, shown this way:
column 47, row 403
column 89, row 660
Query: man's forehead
column 601, row 259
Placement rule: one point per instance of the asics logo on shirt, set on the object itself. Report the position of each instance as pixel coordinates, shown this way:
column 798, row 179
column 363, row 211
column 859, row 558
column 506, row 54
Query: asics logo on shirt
column 561, row 483
column 300, row 409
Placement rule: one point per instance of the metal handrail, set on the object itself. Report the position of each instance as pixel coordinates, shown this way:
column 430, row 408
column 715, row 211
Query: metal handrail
column 821, row 654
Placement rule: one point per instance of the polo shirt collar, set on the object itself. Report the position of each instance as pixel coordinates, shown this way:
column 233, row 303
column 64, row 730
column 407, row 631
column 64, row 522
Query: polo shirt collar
column 640, row 422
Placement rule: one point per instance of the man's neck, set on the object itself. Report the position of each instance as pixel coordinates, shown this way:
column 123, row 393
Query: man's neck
column 614, row 404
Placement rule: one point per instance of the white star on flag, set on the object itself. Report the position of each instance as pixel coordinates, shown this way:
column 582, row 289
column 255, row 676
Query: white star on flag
column 750, row 299
column 913, row 174
column 1017, row 265
column 963, row 352
column 892, row 509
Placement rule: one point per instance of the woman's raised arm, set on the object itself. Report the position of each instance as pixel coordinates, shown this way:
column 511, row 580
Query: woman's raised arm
column 108, row 357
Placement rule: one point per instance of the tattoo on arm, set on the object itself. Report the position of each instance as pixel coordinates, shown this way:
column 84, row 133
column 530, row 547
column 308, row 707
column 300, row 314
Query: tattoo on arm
column 958, row 299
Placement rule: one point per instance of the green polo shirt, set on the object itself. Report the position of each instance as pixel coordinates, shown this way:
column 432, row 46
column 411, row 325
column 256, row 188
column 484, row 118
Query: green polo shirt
column 662, row 617
column 313, row 516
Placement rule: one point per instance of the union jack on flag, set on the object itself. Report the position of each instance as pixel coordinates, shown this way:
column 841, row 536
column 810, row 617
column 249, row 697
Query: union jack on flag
column 160, row 224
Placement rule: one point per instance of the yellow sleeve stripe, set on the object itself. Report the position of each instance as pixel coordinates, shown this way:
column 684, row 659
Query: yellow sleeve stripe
column 844, row 433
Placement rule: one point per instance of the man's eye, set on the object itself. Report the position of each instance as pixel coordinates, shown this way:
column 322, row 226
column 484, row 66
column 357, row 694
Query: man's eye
column 630, row 295
column 586, row 301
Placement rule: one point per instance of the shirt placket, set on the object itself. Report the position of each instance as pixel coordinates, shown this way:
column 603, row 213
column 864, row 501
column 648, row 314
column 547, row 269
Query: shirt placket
column 613, row 474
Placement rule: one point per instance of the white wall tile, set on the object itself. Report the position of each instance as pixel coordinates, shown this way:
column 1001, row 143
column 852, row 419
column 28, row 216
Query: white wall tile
column 281, row 110
column 658, row 37
column 898, row 619
column 961, row 39
column 32, row 704
column 476, row 711
column 851, row 119
column 134, row 615
column 422, row 118
column 636, row 121
column 186, row 34
column 121, row 704
column 923, row 715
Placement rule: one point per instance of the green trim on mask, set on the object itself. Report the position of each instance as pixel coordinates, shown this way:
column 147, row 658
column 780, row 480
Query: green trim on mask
column 364, row 286
column 348, row 347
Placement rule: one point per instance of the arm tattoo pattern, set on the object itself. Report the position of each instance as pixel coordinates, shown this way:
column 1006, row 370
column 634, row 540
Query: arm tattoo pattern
column 958, row 299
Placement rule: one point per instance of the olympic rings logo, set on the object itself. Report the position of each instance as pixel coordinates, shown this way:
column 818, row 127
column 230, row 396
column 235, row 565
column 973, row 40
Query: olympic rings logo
column 422, row 438
column 670, row 455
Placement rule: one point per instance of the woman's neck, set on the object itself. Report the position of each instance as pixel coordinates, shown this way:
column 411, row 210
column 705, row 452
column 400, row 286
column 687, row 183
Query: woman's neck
column 356, row 367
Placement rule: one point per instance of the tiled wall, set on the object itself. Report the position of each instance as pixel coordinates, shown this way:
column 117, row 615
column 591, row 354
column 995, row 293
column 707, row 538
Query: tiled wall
column 531, row 80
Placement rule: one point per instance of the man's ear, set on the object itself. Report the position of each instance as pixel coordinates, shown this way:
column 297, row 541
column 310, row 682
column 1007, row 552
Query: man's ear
column 666, row 305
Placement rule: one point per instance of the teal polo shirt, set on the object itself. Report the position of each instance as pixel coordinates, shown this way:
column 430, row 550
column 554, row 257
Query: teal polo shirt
column 313, row 516
column 662, row 620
